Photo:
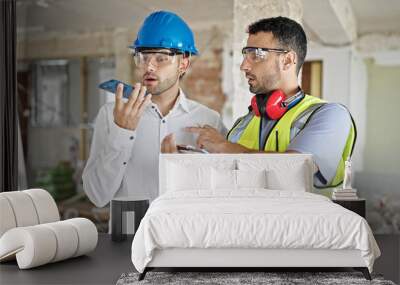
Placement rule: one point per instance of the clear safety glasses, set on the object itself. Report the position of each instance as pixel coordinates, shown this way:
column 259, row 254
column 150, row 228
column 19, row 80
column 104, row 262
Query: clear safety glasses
column 156, row 58
column 257, row 54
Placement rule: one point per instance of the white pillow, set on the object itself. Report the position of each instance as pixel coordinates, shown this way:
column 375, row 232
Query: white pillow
column 229, row 179
column 251, row 179
column 291, row 179
column 224, row 179
column 283, row 173
column 181, row 177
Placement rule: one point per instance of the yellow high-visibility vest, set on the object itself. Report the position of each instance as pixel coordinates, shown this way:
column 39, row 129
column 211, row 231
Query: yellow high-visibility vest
column 279, row 137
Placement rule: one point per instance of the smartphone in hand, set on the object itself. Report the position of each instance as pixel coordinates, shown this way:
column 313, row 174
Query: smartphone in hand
column 111, row 86
column 189, row 149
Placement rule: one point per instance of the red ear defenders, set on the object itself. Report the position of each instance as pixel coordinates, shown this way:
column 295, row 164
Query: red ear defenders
column 274, row 105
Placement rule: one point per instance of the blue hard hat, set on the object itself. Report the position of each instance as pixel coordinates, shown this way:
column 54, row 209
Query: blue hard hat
column 164, row 29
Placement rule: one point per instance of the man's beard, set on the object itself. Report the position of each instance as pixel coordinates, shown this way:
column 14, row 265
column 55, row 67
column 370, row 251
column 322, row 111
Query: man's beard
column 163, row 86
column 267, row 82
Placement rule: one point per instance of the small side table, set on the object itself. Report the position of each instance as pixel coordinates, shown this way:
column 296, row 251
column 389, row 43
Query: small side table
column 357, row 206
column 118, row 207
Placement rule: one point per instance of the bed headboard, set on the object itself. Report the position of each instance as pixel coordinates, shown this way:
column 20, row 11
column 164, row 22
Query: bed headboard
column 283, row 171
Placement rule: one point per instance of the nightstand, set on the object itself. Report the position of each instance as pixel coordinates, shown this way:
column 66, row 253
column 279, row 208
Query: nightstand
column 357, row 206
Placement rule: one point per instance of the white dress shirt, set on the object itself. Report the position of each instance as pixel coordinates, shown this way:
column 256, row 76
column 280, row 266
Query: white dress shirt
column 123, row 164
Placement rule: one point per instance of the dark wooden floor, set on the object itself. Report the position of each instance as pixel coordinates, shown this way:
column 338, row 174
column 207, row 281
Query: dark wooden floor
column 110, row 260
column 389, row 262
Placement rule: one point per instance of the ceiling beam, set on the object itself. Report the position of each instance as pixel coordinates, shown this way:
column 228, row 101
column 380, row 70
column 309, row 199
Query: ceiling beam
column 332, row 22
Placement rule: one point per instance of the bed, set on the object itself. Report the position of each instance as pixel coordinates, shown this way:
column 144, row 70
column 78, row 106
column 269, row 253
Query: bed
column 246, row 211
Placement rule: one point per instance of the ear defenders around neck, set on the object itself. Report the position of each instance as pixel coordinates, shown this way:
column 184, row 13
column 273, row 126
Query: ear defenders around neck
column 274, row 105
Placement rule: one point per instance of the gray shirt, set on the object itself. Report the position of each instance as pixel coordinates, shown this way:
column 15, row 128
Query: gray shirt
column 324, row 136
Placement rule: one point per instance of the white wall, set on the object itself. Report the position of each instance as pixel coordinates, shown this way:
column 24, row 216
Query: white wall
column 380, row 179
column 357, row 103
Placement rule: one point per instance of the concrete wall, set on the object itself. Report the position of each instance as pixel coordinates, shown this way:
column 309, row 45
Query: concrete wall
column 98, row 69
column 41, row 155
column 48, row 146
column 74, row 92
column 202, row 83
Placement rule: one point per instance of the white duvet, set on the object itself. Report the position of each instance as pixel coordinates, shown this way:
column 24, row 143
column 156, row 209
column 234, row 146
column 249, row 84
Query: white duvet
column 253, row 218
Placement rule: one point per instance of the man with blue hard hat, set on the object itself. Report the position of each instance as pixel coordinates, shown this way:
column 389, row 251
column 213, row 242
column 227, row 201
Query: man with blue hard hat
column 123, row 162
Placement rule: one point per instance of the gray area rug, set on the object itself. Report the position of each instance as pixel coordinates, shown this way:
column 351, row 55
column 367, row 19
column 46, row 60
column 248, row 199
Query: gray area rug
column 273, row 278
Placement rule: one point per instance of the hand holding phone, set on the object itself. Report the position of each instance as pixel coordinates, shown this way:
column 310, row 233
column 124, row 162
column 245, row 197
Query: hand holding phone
column 189, row 149
column 111, row 86
column 127, row 114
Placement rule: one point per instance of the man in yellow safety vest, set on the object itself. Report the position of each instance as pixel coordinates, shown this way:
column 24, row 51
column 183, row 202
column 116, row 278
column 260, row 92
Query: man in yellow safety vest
column 281, row 118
